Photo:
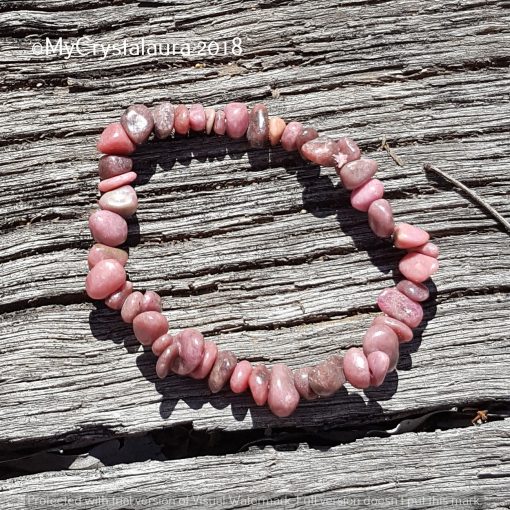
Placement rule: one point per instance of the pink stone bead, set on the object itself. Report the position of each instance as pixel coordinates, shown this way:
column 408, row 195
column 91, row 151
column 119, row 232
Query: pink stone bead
column 357, row 172
column 147, row 326
column 378, row 363
column 327, row 377
column 114, row 140
column 237, row 119
column 290, row 135
column 181, row 119
column 349, row 148
column 258, row 126
column 415, row 291
column 166, row 359
column 221, row 371
column 197, row 117
column 380, row 218
column 138, row 123
column 108, row 228
column 163, row 115
column 417, row 267
column 240, row 377
column 101, row 252
column 122, row 201
column 429, row 249
column 409, row 236
column 356, row 368
column 220, row 123
column 320, row 151
column 304, row 136
column 302, row 383
column 276, row 128
column 362, row 197
column 204, row 369
column 403, row 331
column 137, row 303
column 105, row 278
column 116, row 182
column 259, row 383
column 116, row 300
column 382, row 338
column 282, row 398
column 191, row 351
column 161, row 343
column 395, row 304
column 112, row 166
column 210, row 114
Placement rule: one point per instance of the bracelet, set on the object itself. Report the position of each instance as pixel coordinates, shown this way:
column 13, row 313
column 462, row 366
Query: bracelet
column 187, row 353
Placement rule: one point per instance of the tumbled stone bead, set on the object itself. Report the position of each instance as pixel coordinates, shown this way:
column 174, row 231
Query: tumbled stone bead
column 305, row 135
column 357, row 172
column 116, row 182
column 108, row 228
column 429, row 249
column 302, row 383
column 122, row 201
column 415, row 291
column 382, row 338
column 137, row 303
column 290, row 135
column 191, row 351
column 282, row 398
column 111, row 166
column 116, row 300
column 166, row 359
column 222, row 369
column 380, row 218
column 327, row 377
column 105, row 278
column 181, row 119
column 395, row 304
column 237, row 119
column 409, row 236
column 138, row 123
column 101, row 252
column 220, row 123
column 163, row 115
column 356, row 368
column 161, row 343
column 349, row 148
column 151, row 302
column 418, row 267
column 362, row 197
column 378, row 363
column 204, row 368
column 210, row 114
column 240, row 376
column 259, row 383
column 258, row 126
column 114, row 140
column 147, row 326
column 276, row 128
column 320, row 151
column 403, row 331
column 197, row 117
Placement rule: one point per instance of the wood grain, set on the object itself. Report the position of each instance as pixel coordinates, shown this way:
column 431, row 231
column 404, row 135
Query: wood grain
column 257, row 249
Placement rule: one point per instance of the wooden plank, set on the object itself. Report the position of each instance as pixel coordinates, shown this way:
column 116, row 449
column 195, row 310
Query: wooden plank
column 455, row 468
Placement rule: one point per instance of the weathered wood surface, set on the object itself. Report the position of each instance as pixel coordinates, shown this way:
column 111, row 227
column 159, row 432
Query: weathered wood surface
column 463, row 469
column 256, row 249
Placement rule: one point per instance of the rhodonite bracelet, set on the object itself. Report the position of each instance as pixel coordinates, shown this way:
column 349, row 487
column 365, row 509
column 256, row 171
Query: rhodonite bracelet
column 187, row 353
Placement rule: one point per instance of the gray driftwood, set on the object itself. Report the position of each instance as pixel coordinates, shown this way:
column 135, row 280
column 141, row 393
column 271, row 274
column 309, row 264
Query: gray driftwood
column 256, row 248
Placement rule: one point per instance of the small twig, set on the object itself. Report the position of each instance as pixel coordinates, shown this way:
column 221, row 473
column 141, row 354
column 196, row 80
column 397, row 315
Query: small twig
column 385, row 146
column 480, row 201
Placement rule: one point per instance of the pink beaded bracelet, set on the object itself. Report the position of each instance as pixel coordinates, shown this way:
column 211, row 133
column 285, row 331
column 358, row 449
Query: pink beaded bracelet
column 187, row 353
